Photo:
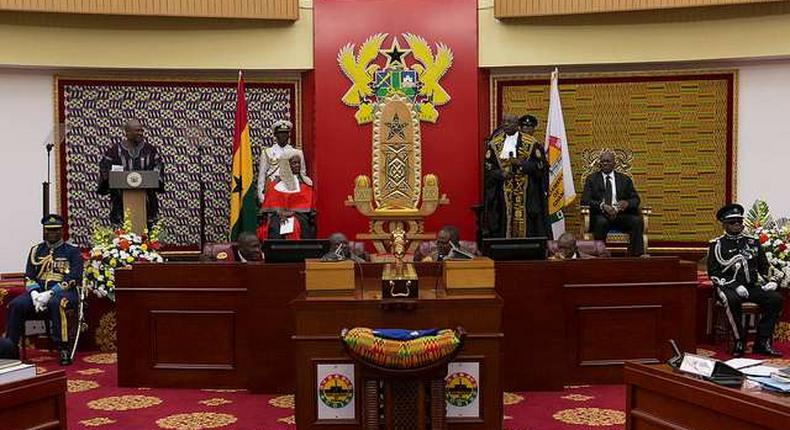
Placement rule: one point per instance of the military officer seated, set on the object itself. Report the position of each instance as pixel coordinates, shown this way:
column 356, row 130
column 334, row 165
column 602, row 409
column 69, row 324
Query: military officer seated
column 53, row 273
column 739, row 270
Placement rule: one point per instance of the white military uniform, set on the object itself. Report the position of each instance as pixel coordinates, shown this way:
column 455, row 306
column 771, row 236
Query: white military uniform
column 269, row 163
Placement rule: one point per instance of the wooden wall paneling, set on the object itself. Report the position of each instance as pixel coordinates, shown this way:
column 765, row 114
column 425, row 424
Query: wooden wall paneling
column 238, row 9
column 529, row 8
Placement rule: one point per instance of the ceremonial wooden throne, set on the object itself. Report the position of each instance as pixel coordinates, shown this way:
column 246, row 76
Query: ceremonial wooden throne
column 398, row 197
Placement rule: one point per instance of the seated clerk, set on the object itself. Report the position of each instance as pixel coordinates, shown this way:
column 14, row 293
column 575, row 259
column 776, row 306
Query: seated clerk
column 567, row 249
column 246, row 249
column 447, row 247
column 339, row 250
column 287, row 206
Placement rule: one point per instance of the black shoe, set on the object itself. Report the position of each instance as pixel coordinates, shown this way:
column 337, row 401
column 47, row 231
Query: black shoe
column 763, row 347
column 737, row 349
column 65, row 356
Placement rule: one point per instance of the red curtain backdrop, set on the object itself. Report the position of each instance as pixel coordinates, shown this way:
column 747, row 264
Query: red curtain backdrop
column 342, row 148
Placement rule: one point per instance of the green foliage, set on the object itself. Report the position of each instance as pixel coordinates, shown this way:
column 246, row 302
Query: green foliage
column 759, row 216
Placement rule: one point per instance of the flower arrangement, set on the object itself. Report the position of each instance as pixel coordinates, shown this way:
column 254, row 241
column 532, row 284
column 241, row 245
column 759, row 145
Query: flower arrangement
column 774, row 237
column 116, row 248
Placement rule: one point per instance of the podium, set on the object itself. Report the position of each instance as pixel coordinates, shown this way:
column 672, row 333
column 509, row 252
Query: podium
column 134, row 186
column 334, row 389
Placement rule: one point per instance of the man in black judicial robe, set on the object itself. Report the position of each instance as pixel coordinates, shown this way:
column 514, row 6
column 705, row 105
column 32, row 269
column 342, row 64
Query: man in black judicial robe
column 504, row 183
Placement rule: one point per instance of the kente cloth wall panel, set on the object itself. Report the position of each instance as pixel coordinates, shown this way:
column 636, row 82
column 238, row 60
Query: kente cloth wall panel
column 679, row 128
column 191, row 124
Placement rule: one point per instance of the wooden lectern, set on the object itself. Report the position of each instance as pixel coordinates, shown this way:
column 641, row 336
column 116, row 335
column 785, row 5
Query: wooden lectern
column 134, row 186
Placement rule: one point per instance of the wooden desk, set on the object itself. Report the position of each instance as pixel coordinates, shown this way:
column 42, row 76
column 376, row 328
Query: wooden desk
column 229, row 325
column 35, row 403
column 658, row 398
column 207, row 325
column 320, row 320
column 578, row 321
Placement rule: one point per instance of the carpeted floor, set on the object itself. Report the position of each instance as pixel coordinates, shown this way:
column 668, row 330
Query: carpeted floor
column 95, row 401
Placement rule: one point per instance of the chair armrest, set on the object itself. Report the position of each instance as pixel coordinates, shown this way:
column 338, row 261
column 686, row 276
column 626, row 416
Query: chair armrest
column 646, row 212
column 585, row 227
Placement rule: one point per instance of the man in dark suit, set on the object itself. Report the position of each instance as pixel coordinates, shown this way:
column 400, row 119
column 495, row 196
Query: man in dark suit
column 613, row 202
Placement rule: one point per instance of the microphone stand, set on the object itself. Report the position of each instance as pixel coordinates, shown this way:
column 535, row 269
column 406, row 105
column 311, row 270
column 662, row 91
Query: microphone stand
column 45, row 185
column 195, row 134
column 202, row 198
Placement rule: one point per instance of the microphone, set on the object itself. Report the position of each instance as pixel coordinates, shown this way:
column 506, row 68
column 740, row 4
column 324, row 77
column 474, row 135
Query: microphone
column 459, row 252
column 339, row 251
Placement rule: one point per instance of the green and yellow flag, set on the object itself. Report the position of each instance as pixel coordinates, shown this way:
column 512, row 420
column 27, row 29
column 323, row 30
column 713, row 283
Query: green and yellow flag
column 242, row 193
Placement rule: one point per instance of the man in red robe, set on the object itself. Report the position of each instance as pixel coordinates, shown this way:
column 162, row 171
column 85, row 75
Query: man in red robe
column 288, row 211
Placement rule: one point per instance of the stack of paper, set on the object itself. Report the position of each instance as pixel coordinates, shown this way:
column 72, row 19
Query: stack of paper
column 14, row 370
column 771, row 384
column 740, row 363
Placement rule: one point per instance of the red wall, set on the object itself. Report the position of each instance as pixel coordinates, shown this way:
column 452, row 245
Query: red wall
column 342, row 147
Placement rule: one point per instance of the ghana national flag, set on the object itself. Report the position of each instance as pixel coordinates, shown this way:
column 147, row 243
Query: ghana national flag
column 243, row 213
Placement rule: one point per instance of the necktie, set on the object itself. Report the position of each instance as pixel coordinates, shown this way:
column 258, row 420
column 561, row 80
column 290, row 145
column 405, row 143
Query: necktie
column 608, row 196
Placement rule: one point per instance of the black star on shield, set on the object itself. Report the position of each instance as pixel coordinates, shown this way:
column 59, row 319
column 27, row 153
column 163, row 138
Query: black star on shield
column 395, row 54
column 396, row 128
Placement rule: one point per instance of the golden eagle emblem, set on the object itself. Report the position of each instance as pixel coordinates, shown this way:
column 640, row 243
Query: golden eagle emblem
column 419, row 82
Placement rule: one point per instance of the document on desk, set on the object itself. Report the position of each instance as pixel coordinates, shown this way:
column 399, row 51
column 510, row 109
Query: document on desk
column 287, row 227
column 759, row 370
column 740, row 363
column 772, row 384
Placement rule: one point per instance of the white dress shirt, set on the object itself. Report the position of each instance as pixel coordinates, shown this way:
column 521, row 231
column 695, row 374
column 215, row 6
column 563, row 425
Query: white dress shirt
column 509, row 146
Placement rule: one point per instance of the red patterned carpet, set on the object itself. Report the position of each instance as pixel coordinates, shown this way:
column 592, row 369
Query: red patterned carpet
column 95, row 401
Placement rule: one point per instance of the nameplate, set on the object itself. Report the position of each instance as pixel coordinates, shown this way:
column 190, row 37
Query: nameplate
column 329, row 277
column 698, row 365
